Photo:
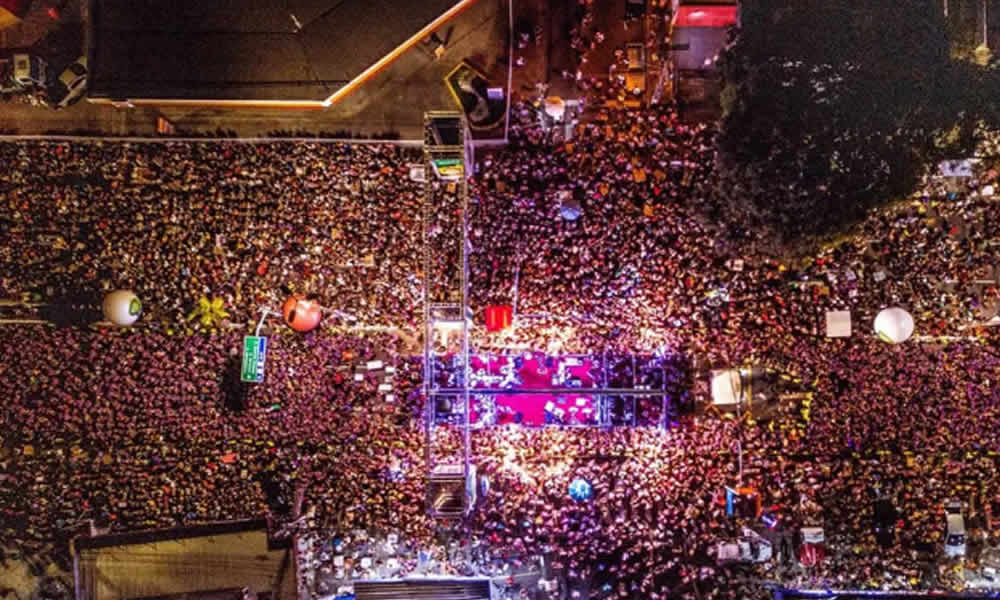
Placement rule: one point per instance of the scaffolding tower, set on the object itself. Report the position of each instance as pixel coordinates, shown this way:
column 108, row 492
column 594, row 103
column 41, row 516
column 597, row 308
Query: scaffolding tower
column 447, row 159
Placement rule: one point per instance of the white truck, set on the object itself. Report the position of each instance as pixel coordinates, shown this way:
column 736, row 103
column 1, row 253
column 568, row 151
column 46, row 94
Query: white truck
column 954, row 540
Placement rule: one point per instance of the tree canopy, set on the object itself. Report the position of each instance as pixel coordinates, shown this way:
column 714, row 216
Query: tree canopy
column 832, row 107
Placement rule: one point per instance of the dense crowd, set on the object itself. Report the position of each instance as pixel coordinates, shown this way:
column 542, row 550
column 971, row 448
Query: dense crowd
column 240, row 222
column 148, row 431
column 146, row 427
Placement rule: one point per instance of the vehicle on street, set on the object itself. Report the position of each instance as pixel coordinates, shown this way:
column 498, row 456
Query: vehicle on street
column 751, row 547
column 635, row 76
column 954, row 541
column 70, row 86
column 636, row 55
column 30, row 71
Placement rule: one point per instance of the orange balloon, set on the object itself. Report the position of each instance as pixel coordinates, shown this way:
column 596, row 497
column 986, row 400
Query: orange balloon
column 300, row 314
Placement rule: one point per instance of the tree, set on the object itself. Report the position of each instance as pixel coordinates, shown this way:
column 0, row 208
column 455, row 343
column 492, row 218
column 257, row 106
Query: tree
column 832, row 107
column 209, row 312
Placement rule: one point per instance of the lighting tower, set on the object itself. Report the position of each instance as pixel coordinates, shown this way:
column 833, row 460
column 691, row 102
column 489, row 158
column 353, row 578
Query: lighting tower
column 447, row 165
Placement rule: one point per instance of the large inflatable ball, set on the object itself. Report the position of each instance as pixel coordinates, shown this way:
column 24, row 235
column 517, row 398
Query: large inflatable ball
column 301, row 314
column 122, row 307
column 580, row 489
column 570, row 210
column 894, row 325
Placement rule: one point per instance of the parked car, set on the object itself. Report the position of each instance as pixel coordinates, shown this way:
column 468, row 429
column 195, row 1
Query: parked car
column 69, row 88
column 635, row 75
column 636, row 55
column 954, row 541
column 750, row 547
column 30, row 71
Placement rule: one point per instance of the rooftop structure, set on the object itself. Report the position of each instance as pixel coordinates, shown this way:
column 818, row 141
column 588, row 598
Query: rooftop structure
column 308, row 53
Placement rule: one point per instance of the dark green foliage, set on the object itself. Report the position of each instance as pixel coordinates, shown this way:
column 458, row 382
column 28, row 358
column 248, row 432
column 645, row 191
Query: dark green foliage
column 834, row 107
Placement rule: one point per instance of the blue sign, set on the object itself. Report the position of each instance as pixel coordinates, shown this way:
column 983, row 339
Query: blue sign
column 580, row 489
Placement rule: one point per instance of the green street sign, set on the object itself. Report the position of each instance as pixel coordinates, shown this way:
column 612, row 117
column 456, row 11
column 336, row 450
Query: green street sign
column 254, row 356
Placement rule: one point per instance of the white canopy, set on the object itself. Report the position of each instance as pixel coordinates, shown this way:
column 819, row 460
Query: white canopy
column 726, row 387
column 956, row 168
column 838, row 323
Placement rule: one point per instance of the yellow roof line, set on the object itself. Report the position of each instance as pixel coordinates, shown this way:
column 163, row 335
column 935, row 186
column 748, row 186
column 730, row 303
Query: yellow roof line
column 396, row 52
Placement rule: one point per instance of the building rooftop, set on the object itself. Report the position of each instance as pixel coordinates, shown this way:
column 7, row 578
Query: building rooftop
column 253, row 50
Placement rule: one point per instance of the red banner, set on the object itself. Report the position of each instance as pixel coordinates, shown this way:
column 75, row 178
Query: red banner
column 499, row 317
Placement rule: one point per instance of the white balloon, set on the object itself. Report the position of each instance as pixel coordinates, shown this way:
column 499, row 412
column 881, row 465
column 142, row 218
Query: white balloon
column 894, row 325
column 570, row 210
column 122, row 307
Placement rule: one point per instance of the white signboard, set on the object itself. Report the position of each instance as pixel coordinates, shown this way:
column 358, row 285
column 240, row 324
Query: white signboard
column 726, row 387
column 838, row 323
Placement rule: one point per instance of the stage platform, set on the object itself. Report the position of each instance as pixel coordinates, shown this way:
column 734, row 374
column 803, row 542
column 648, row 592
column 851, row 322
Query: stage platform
column 541, row 373
column 534, row 389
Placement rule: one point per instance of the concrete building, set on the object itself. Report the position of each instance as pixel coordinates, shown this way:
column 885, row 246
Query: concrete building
column 219, row 558
column 296, row 54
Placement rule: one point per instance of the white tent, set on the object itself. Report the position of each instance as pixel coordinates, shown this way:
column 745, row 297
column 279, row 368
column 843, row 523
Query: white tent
column 838, row 323
column 956, row 168
column 727, row 387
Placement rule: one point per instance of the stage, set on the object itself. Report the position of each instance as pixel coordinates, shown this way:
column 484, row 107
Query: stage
column 527, row 372
column 534, row 389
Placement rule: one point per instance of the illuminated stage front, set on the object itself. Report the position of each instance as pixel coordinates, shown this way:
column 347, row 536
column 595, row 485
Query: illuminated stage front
column 534, row 389
column 535, row 373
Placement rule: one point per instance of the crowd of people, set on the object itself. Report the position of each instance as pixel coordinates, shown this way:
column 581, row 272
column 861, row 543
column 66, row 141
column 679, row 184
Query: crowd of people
column 150, row 427
column 146, row 430
column 176, row 222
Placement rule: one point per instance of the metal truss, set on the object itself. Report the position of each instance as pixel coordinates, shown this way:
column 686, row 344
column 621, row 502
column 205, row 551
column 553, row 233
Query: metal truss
column 447, row 165
column 647, row 378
